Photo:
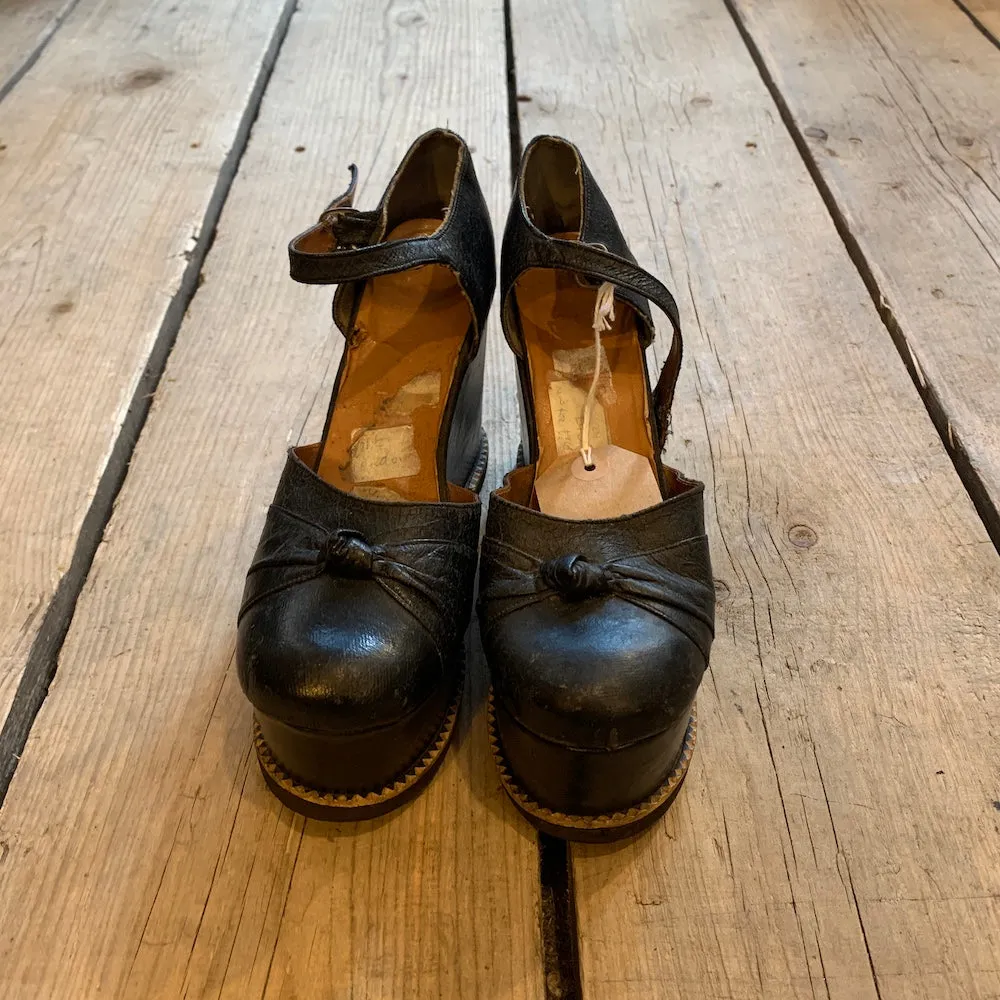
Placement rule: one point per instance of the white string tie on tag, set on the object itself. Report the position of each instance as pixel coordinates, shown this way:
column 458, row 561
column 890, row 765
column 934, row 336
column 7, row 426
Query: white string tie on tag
column 604, row 315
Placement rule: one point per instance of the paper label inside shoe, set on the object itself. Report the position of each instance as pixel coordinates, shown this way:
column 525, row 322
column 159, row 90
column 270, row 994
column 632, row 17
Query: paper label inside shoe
column 621, row 482
column 577, row 363
column 567, row 402
column 423, row 390
column 376, row 492
column 383, row 453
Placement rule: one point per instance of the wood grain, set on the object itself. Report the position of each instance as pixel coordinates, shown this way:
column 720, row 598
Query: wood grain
column 897, row 102
column 838, row 834
column 141, row 855
column 26, row 26
column 987, row 13
column 114, row 145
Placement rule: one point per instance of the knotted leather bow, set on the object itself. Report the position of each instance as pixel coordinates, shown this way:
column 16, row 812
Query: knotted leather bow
column 686, row 603
column 300, row 543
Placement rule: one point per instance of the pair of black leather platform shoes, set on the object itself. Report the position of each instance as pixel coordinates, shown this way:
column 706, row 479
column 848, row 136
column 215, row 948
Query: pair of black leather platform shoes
column 596, row 598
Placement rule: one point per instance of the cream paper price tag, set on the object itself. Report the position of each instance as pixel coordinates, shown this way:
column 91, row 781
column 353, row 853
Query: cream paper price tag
column 621, row 482
column 567, row 402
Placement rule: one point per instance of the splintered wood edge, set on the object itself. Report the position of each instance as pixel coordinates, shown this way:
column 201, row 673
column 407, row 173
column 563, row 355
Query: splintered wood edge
column 605, row 821
column 355, row 800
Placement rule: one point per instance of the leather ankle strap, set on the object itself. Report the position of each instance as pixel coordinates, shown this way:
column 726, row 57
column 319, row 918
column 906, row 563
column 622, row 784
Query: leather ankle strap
column 340, row 246
column 599, row 264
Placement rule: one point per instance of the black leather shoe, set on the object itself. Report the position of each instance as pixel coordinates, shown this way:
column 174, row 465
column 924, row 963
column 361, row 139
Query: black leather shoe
column 351, row 632
column 596, row 594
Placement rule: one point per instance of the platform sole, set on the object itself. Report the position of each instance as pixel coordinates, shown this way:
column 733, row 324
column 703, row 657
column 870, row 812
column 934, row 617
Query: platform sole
column 599, row 828
column 318, row 803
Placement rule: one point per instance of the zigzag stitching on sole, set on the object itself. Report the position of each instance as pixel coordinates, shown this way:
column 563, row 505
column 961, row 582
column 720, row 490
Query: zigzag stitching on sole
column 355, row 800
column 606, row 821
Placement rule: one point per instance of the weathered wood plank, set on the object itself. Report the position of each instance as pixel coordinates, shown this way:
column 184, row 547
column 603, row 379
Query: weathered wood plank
column 897, row 103
column 120, row 144
column 25, row 27
column 138, row 798
column 839, row 826
column 987, row 13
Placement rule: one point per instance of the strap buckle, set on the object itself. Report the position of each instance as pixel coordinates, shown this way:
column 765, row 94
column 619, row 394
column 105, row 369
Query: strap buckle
column 347, row 227
column 345, row 199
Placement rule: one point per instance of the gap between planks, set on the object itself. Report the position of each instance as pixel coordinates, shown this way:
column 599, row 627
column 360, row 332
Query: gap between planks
column 978, row 490
column 557, row 912
column 43, row 656
column 985, row 15
column 23, row 43
column 924, row 87
column 137, row 787
column 847, row 746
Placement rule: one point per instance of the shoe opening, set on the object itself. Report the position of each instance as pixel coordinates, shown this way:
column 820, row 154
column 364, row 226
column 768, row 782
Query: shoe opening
column 425, row 185
column 553, row 188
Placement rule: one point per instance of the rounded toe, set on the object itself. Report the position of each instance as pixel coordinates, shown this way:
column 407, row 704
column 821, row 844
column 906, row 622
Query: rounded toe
column 344, row 657
column 350, row 695
column 593, row 711
column 595, row 676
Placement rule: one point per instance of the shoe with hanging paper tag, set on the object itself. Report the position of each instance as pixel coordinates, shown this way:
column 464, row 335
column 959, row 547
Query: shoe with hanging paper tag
column 597, row 604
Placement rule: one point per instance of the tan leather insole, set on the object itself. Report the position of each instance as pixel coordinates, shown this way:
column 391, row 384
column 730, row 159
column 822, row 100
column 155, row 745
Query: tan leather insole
column 383, row 435
column 557, row 314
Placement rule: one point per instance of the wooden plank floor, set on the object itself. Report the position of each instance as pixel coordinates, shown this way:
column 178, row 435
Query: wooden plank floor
column 849, row 742
column 119, row 145
column 25, row 29
column 895, row 103
column 816, row 180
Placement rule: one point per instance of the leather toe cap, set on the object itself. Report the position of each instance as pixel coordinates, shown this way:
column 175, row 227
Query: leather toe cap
column 597, row 674
column 342, row 656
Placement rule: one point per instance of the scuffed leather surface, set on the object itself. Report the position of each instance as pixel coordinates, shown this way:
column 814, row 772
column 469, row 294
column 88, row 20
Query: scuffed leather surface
column 597, row 632
column 355, row 248
column 601, row 254
column 348, row 246
column 355, row 610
